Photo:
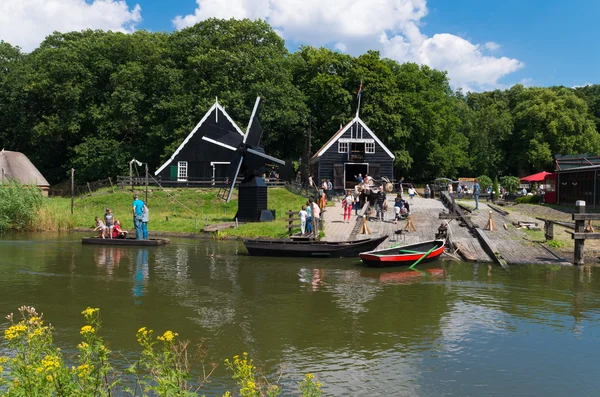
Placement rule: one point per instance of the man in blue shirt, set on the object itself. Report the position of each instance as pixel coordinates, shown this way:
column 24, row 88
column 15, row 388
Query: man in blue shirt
column 138, row 213
column 476, row 191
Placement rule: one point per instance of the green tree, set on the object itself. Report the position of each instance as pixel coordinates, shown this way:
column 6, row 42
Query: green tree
column 510, row 183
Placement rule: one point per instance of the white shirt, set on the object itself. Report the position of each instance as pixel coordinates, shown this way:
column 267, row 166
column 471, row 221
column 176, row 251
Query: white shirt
column 303, row 215
column 411, row 191
column 349, row 199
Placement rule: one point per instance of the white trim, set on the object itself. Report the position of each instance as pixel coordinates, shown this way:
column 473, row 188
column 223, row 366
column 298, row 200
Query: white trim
column 191, row 134
column 343, row 130
column 219, row 162
column 266, row 156
column 219, row 143
column 367, row 151
column 339, row 146
column 356, row 140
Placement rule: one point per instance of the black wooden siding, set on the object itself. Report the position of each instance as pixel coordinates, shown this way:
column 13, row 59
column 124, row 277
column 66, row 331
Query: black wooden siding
column 199, row 153
column 324, row 167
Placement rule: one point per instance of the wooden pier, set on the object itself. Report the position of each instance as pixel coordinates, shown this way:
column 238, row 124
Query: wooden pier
column 507, row 244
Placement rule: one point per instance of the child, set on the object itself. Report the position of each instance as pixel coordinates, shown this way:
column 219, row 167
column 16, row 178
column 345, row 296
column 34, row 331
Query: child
column 99, row 227
column 118, row 232
column 109, row 221
column 348, row 203
column 303, row 216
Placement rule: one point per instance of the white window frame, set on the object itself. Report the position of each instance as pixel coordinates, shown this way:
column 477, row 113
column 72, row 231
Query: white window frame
column 343, row 147
column 182, row 171
column 370, row 147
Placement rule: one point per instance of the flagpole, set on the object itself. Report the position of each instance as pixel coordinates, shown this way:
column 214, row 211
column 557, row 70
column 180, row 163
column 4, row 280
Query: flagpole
column 359, row 96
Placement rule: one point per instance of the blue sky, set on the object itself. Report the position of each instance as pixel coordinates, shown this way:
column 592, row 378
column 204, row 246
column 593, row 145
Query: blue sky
column 482, row 44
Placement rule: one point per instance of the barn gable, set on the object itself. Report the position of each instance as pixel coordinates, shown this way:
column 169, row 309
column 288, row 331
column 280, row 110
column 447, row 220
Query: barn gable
column 353, row 150
column 199, row 156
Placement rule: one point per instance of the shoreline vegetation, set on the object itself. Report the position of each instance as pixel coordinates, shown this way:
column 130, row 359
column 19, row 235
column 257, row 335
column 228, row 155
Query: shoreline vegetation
column 35, row 366
column 181, row 212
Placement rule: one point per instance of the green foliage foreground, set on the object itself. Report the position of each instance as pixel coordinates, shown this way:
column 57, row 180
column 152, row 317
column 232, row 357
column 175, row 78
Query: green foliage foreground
column 35, row 366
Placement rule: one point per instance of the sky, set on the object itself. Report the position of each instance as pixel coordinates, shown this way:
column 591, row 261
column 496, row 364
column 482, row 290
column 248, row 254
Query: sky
column 483, row 44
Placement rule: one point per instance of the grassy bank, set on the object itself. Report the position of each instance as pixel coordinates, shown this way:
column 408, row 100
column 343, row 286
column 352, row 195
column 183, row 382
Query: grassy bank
column 171, row 210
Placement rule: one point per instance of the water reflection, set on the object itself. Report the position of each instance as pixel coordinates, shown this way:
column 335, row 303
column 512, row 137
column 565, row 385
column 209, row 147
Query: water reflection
column 141, row 275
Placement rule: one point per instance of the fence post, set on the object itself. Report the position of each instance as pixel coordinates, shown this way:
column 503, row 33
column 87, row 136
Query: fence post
column 579, row 228
column 72, row 189
column 549, row 229
column 290, row 221
column 89, row 188
column 111, row 185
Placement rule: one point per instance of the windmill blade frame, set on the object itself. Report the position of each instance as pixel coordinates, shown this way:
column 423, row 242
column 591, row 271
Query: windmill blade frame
column 266, row 156
column 254, row 131
column 215, row 142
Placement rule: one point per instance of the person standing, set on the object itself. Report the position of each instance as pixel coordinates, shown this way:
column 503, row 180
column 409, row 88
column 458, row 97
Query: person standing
column 476, row 191
column 380, row 204
column 316, row 217
column 303, row 216
column 427, row 191
column 109, row 221
column 348, row 204
column 356, row 197
column 138, row 212
column 145, row 219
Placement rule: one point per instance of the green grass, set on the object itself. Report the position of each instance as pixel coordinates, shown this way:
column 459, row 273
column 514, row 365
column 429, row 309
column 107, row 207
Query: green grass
column 168, row 212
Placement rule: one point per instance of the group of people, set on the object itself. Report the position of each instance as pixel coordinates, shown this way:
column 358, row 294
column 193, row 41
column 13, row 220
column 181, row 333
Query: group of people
column 310, row 218
column 109, row 227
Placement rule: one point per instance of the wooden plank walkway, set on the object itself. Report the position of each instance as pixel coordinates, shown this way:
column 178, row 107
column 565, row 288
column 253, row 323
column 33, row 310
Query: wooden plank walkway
column 511, row 244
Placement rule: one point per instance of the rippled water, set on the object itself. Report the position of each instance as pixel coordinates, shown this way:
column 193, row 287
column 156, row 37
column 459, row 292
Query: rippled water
column 474, row 330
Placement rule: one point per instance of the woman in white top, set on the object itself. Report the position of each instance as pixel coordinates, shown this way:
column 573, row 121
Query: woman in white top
column 303, row 216
column 347, row 204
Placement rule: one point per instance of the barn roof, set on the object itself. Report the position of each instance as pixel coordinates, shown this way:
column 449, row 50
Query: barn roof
column 217, row 108
column 341, row 132
column 16, row 166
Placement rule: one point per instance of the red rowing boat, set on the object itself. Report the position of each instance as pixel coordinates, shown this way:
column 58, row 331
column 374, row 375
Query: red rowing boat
column 405, row 255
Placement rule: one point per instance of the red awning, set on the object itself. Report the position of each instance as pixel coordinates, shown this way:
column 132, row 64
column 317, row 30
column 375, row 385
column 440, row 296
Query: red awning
column 539, row 177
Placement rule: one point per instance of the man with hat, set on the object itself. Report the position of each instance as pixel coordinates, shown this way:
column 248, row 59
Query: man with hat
column 138, row 213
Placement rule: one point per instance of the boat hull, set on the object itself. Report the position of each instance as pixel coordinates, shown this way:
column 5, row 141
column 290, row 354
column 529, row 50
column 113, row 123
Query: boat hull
column 400, row 257
column 311, row 249
column 124, row 241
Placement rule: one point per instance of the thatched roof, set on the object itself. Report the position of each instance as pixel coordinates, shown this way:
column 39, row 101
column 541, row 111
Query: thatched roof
column 16, row 166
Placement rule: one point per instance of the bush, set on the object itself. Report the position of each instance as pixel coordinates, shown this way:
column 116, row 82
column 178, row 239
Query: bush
column 529, row 200
column 484, row 182
column 19, row 206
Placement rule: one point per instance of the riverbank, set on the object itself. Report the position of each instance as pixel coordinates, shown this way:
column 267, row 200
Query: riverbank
column 173, row 212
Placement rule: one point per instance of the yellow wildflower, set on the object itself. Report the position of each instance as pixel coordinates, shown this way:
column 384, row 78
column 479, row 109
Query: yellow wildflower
column 50, row 362
column 309, row 376
column 90, row 311
column 84, row 370
column 82, row 346
column 15, row 331
column 168, row 336
column 35, row 320
column 87, row 329
column 49, row 378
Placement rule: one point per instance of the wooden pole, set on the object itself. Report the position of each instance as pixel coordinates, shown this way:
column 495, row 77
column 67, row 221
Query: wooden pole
column 112, row 187
column 549, row 228
column 146, row 184
column 131, row 174
column 579, row 228
column 72, row 189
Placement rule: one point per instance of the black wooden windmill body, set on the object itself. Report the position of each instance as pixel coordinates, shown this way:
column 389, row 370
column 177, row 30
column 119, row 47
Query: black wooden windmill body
column 249, row 161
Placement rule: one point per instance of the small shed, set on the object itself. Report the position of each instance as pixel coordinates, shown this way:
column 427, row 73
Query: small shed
column 197, row 160
column 353, row 150
column 16, row 166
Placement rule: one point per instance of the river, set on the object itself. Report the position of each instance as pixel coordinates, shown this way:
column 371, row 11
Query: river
column 475, row 330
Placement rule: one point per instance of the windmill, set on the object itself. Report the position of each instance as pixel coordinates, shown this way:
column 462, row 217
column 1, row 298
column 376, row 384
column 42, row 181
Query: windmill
column 249, row 160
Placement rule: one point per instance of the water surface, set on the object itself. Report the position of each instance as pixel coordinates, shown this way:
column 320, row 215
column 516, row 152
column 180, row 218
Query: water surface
column 475, row 330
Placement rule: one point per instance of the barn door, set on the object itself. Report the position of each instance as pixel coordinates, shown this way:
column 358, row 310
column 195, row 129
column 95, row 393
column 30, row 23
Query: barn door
column 338, row 176
column 374, row 170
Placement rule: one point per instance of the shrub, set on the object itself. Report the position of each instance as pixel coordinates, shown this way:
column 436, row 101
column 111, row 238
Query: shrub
column 484, row 182
column 19, row 206
column 510, row 183
column 529, row 200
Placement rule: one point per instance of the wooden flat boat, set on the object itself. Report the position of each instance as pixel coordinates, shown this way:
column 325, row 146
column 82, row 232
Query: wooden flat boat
column 124, row 241
column 405, row 255
column 311, row 249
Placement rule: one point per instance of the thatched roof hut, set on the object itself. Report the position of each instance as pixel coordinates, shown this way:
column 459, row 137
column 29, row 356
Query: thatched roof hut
column 16, row 166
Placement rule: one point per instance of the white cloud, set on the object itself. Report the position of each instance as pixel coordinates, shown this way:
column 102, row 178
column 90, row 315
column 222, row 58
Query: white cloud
column 391, row 26
column 27, row 22
column 490, row 45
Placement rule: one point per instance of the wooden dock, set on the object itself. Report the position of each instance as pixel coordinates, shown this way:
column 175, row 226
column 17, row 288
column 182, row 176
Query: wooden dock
column 511, row 244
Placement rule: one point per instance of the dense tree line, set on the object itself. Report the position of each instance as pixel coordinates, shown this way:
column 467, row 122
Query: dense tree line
column 93, row 100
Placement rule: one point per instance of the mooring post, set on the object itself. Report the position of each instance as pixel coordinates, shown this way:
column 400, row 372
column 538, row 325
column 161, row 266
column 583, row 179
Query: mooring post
column 579, row 228
column 549, row 229
column 72, row 188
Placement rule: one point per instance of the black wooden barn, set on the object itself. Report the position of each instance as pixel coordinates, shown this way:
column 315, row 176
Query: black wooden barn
column 196, row 160
column 353, row 150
